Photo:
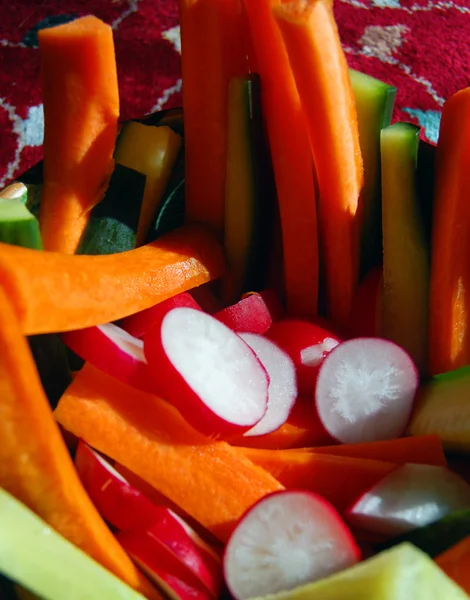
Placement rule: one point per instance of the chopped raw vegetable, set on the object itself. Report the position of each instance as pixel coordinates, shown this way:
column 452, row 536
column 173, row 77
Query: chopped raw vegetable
column 403, row 572
column 405, row 251
column 310, row 34
column 339, row 479
column 34, row 462
column 81, row 109
column 17, row 225
column 449, row 308
column 211, row 481
column 49, row 565
column 292, row 161
column 151, row 151
column 455, row 562
column 52, row 292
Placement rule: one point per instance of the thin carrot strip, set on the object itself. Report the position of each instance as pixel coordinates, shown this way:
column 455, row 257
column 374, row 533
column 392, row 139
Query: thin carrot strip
column 211, row 481
column 321, row 73
column 35, row 466
column 213, row 52
column 456, row 563
column 422, row 449
column 339, row 479
column 81, row 110
column 449, row 307
column 54, row 292
column 292, row 161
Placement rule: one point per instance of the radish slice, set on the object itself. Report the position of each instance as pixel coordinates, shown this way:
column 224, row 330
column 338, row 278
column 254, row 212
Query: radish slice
column 282, row 390
column 365, row 391
column 162, row 566
column 249, row 315
column 114, row 351
column 411, row 496
column 307, row 344
column 128, row 509
column 208, row 372
column 138, row 323
column 287, row 539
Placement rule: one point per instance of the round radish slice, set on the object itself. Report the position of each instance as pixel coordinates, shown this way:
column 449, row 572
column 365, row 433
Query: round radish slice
column 208, row 372
column 307, row 344
column 282, row 390
column 287, row 539
column 114, row 351
column 365, row 391
column 411, row 496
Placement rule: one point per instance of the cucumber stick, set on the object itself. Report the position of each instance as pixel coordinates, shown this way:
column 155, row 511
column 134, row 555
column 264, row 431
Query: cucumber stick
column 247, row 220
column 443, row 408
column 406, row 261
column 374, row 104
column 17, row 225
column 151, row 151
column 45, row 563
column 402, row 573
column 436, row 538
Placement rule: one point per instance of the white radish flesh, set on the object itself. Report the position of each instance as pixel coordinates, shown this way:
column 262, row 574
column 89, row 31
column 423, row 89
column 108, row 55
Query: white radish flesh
column 411, row 496
column 209, row 373
column 287, row 539
column 282, row 390
column 365, row 391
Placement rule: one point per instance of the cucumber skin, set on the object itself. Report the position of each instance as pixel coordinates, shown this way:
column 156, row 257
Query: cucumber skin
column 23, row 232
column 437, row 537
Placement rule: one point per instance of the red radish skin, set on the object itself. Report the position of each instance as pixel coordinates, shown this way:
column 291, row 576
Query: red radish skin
column 250, row 315
column 286, row 540
column 114, row 351
column 128, row 509
column 140, row 322
column 411, row 496
column 163, row 567
column 208, row 372
column 365, row 391
column 273, row 302
column 307, row 344
column 282, row 390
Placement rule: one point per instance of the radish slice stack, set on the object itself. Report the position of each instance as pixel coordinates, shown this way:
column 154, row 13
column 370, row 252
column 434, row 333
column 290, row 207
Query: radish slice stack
column 365, row 391
column 287, row 539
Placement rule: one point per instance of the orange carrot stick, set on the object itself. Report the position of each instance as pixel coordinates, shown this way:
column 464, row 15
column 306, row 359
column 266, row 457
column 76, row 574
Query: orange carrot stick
column 211, row 481
column 449, row 308
column 456, row 563
column 339, row 479
column 35, row 466
column 53, row 292
column 81, row 109
column 303, row 428
column 292, row 161
column 212, row 43
column 321, row 73
column 422, row 449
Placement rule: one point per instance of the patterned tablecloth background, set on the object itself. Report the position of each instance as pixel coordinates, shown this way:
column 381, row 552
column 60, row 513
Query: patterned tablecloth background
column 421, row 46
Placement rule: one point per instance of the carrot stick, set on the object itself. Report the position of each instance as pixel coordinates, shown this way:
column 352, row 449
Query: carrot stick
column 321, row 73
column 339, row 479
column 303, row 428
column 81, row 109
column 35, row 466
column 455, row 562
column 212, row 43
column 292, row 161
column 53, row 292
column 211, row 481
column 449, row 308
column 422, row 449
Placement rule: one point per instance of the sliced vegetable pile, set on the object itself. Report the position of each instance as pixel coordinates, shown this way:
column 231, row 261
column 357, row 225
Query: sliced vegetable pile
column 234, row 356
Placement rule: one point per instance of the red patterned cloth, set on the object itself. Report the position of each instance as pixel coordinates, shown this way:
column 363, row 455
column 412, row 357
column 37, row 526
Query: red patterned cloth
column 420, row 46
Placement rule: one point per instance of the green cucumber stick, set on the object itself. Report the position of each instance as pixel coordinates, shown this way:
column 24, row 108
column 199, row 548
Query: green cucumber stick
column 17, row 225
